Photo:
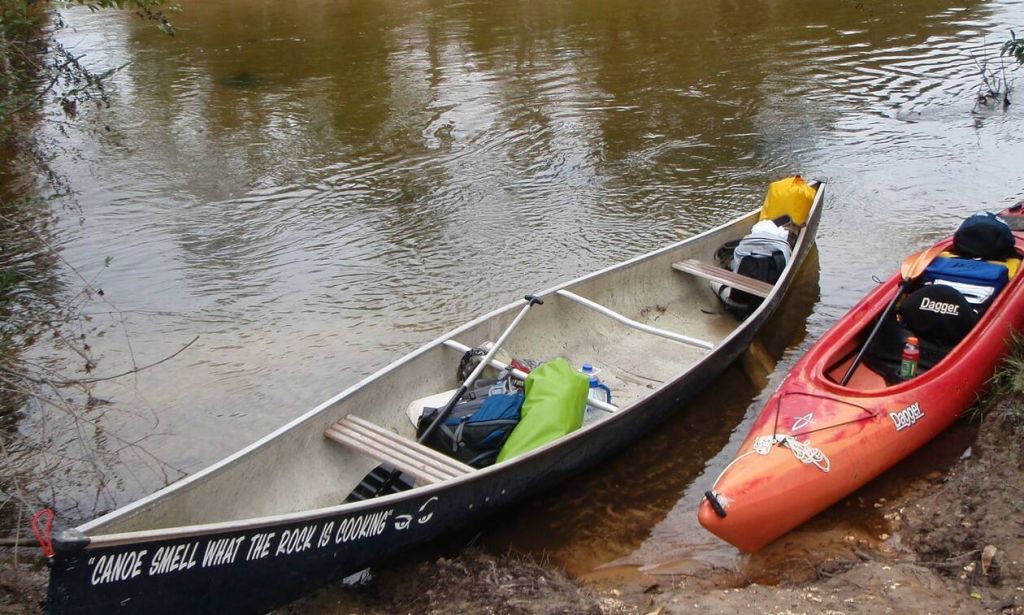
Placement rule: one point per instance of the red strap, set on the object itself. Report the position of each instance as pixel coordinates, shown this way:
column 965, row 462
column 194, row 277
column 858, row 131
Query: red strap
column 44, row 536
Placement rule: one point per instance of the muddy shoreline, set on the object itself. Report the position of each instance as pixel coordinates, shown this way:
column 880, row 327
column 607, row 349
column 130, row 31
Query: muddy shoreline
column 947, row 541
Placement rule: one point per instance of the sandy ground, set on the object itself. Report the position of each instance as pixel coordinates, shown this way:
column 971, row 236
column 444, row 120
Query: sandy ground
column 948, row 542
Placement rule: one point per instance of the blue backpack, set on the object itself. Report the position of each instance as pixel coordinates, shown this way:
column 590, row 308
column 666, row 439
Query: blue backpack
column 477, row 427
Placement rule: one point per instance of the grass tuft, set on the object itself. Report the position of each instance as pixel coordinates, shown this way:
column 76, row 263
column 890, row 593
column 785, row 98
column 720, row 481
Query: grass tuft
column 1007, row 381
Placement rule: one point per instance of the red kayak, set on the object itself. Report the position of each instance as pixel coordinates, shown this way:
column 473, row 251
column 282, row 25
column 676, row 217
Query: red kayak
column 817, row 440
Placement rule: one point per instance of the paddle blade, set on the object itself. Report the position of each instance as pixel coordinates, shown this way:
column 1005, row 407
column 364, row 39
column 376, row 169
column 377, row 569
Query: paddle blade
column 915, row 264
column 370, row 486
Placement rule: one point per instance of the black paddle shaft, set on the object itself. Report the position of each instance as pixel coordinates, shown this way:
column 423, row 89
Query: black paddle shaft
column 443, row 414
column 447, row 410
column 871, row 337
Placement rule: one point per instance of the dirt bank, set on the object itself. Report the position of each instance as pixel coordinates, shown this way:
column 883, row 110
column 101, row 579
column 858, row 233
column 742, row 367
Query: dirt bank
column 23, row 576
column 945, row 542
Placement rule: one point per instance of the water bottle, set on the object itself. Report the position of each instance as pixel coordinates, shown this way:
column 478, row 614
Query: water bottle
column 911, row 356
column 598, row 390
column 500, row 386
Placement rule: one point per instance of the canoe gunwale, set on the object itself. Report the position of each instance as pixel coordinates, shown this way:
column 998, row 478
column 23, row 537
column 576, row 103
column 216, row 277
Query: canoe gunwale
column 78, row 538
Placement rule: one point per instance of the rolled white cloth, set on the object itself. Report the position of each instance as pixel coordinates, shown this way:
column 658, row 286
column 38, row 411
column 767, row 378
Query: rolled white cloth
column 763, row 239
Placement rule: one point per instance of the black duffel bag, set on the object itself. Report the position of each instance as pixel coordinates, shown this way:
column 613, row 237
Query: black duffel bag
column 984, row 235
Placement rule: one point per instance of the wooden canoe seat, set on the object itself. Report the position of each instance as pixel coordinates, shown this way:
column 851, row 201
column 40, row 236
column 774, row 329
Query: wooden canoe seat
column 409, row 456
column 724, row 276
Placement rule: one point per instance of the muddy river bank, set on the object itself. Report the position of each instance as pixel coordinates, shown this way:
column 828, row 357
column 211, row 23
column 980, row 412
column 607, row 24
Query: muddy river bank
column 945, row 541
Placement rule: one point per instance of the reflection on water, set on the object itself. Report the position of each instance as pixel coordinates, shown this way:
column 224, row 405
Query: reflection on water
column 316, row 187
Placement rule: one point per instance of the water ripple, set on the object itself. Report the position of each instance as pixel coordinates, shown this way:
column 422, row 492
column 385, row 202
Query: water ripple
column 319, row 190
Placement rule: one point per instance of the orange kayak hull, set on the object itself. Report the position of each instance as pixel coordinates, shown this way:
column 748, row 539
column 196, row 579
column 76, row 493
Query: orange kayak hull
column 816, row 442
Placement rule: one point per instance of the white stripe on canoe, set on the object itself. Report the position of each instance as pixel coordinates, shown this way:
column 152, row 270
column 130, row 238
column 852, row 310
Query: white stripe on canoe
column 639, row 326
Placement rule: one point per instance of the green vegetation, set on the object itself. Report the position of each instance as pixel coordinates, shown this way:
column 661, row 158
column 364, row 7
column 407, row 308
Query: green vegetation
column 995, row 87
column 1006, row 383
column 33, row 65
column 1014, row 48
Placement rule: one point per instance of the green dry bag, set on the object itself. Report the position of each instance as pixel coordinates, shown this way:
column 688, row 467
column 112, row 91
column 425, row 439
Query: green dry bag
column 556, row 396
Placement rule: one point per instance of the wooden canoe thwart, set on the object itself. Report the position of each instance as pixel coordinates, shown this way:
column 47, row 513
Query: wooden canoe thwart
column 264, row 525
column 425, row 464
column 817, row 440
column 724, row 276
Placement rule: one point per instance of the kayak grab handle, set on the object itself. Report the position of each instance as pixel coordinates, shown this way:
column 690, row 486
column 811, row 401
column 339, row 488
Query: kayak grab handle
column 716, row 506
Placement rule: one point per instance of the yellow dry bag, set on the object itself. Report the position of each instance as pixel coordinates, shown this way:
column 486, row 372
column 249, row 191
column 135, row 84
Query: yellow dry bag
column 788, row 197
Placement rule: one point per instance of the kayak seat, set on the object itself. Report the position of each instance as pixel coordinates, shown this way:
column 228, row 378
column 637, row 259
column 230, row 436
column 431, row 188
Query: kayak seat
column 409, row 456
column 938, row 313
column 939, row 316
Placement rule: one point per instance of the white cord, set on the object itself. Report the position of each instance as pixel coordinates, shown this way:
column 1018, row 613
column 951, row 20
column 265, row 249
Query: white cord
column 803, row 451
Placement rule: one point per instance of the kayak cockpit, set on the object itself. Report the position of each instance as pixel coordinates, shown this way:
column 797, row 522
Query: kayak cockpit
column 926, row 317
column 863, row 377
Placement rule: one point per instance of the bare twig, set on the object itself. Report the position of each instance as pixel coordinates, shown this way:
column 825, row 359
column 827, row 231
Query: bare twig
column 21, row 510
column 18, row 541
column 135, row 370
column 59, row 413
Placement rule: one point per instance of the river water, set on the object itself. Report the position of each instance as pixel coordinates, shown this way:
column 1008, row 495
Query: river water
column 315, row 188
